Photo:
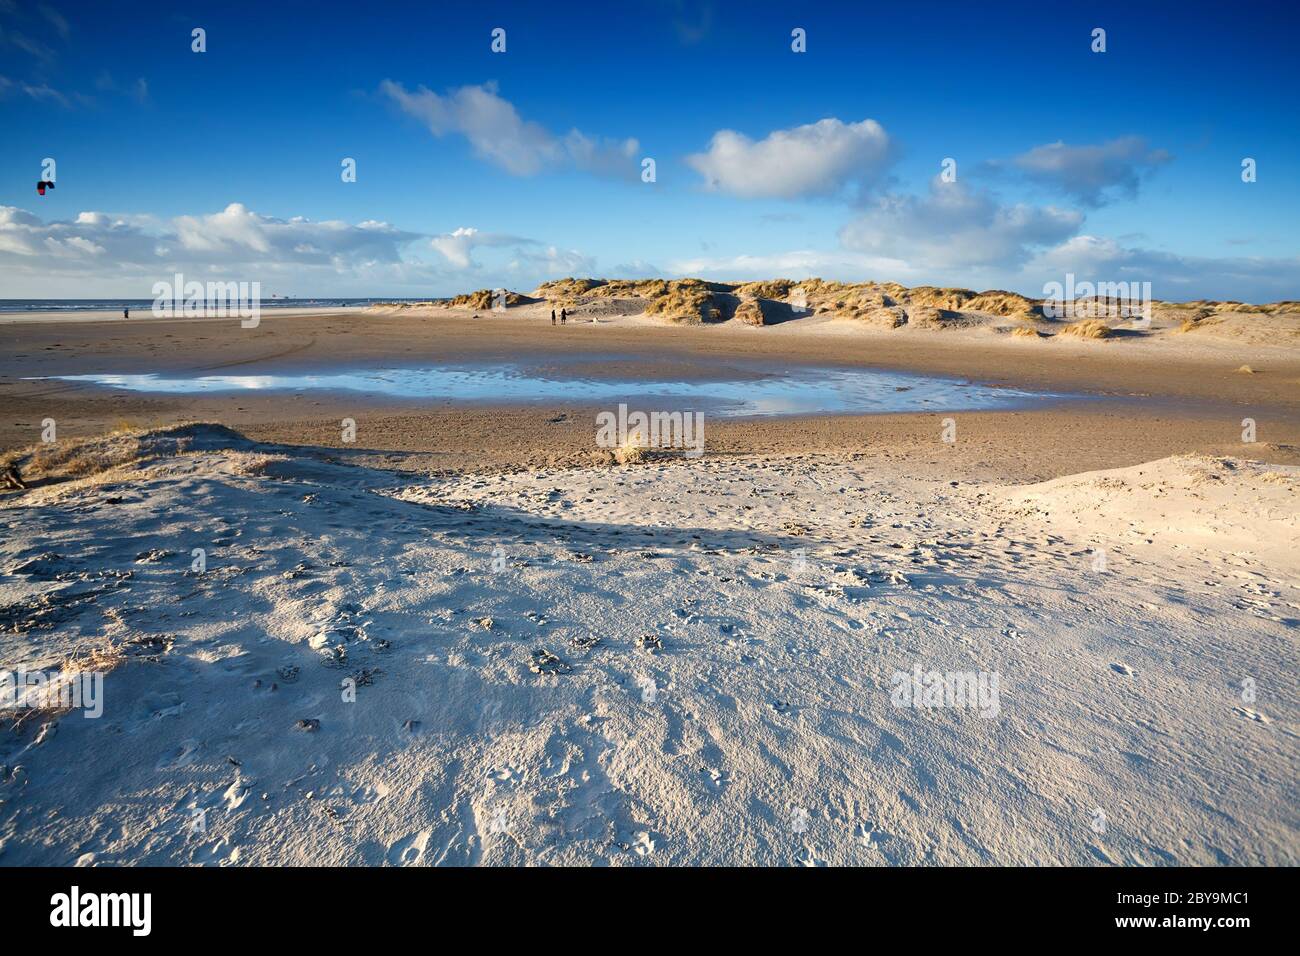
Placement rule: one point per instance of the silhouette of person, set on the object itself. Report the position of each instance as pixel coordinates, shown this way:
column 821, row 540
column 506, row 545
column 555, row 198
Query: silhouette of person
column 552, row 316
column 126, row 312
column 564, row 314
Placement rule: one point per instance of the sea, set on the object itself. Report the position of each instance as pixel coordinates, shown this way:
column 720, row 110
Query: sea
column 143, row 306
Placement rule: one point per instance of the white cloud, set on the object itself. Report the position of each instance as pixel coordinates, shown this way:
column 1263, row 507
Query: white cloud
column 1172, row 276
column 1093, row 174
column 457, row 247
column 953, row 227
column 501, row 136
column 1089, row 258
column 236, row 234
column 818, row 159
column 842, row 265
column 99, row 249
column 552, row 263
column 100, row 253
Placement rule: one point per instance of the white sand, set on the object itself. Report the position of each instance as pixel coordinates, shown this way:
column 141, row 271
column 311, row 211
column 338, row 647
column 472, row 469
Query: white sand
column 1120, row 690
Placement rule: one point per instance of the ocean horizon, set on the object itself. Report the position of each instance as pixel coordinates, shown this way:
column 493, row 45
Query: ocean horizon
column 104, row 302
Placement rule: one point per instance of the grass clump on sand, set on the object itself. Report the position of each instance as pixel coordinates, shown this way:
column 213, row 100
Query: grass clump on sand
column 567, row 290
column 120, row 450
column 56, row 697
column 630, row 453
column 71, row 458
column 689, row 301
column 1026, row 332
column 633, row 451
column 1195, row 319
column 1088, row 329
column 484, row 299
column 771, row 289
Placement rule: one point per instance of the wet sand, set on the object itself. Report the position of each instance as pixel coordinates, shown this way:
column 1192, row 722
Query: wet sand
column 1146, row 399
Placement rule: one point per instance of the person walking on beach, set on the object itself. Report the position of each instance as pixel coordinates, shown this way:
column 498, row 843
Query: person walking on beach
column 126, row 312
column 564, row 314
column 552, row 316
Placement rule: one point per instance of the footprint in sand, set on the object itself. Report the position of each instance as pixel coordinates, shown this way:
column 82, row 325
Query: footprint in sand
column 716, row 776
column 182, row 756
column 409, row 851
column 1101, row 854
column 1123, row 669
column 809, row 858
column 868, row 835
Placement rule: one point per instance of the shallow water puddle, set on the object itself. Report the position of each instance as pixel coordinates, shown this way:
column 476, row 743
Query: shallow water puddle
column 797, row 391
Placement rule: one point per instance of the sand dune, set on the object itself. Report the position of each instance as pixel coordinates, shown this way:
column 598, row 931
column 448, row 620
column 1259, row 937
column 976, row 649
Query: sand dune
column 676, row 662
column 1190, row 503
column 878, row 306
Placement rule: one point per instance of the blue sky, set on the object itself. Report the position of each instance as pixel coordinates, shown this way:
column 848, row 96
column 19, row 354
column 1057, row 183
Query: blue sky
column 479, row 169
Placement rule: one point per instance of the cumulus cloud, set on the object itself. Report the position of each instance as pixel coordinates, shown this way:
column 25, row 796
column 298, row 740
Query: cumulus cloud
column 1093, row 175
column 1089, row 258
column 457, row 247
column 97, row 252
column 499, row 135
column 552, row 262
column 100, row 249
column 954, row 227
column 528, row 259
column 817, row 159
column 841, row 264
column 1172, row 276
column 236, row 234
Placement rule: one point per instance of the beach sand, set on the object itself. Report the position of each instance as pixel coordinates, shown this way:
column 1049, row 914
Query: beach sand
column 458, row 641
column 1149, row 398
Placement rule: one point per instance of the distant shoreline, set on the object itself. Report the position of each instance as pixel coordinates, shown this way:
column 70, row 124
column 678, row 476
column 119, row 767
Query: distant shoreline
column 145, row 314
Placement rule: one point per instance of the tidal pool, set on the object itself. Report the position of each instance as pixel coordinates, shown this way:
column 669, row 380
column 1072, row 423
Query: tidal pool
column 798, row 390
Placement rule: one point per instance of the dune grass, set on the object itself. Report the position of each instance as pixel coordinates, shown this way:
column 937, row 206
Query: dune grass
column 1088, row 329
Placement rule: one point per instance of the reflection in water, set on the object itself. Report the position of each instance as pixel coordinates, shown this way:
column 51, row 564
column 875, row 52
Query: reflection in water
column 803, row 390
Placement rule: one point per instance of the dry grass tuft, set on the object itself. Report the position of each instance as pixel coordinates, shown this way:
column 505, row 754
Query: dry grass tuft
column 630, row 455
column 72, row 458
column 484, row 299
column 117, row 452
column 689, row 301
column 98, row 658
column 1088, row 329
column 632, row 451
column 771, row 289
column 1025, row 332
